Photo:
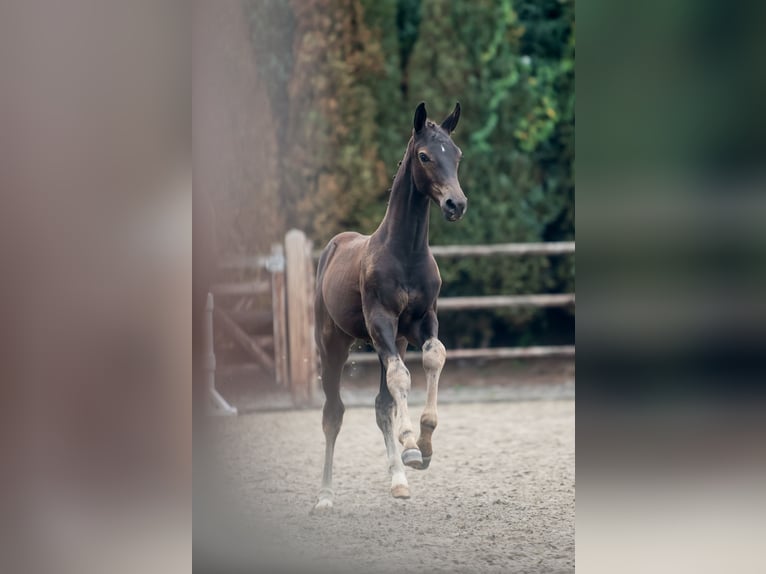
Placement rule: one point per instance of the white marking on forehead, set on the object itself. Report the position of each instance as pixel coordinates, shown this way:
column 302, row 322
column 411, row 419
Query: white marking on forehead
column 443, row 148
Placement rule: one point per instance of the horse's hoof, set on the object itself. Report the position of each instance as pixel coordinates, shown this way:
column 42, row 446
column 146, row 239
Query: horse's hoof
column 425, row 464
column 325, row 501
column 412, row 457
column 324, row 505
column 400, row 491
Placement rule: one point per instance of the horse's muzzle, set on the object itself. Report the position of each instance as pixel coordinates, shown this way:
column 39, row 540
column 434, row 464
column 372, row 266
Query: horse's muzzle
column 454, row 208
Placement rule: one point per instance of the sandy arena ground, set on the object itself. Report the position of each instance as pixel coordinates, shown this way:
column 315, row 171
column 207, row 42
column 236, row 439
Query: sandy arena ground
column 499, row 495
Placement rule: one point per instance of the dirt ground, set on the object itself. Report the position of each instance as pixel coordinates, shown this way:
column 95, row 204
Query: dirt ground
column 499, row 495
column 461, row 381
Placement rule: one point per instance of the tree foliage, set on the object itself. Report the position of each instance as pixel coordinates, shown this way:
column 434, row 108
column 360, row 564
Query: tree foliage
column 345, row 77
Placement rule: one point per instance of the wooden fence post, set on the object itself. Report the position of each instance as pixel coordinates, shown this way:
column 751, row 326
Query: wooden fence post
column 276, row 266
column 302, row 356
column 313, row 371
column 218, row 404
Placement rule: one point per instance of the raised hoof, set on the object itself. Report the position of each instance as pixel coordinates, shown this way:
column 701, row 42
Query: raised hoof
column 400, row 491
column 425, row 464
column 412, row 458
column 324, row 505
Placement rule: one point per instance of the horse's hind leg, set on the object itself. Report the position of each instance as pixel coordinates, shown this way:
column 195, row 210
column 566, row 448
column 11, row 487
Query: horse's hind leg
column 333, row 349
column 384, row 415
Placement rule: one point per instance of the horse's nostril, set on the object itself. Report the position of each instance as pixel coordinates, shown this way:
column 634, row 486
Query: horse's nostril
column 451, row 204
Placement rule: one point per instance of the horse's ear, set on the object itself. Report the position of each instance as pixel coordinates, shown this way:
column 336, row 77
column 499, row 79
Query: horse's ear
column 420, row 117
column 450, row 122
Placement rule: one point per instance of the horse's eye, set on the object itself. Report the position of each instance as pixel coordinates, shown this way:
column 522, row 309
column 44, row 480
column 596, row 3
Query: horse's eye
column 423, row 157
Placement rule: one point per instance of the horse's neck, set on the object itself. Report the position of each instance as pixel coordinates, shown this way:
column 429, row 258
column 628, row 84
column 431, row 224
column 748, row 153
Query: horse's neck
column 404, row 229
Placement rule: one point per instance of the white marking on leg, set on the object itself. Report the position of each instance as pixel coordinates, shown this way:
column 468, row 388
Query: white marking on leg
column 395, row 465
column 434, row 357
column 398, row 382
column 443, row 148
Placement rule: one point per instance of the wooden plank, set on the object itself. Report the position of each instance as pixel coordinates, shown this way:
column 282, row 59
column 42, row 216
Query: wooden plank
column 242, row 339
column 242, row 288
column 250, row 262
column 513, row 352
column 279, row 314
column 254, row 320
column 512, row 249
column 495, row 301
column 241, row 369
column 489, row 353
column 515, row 249
column 298, row 325
column 265, row 341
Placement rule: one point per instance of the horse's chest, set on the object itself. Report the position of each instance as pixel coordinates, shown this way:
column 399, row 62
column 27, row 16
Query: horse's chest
column 404, row 291
column 417, row 300
column 409, row 301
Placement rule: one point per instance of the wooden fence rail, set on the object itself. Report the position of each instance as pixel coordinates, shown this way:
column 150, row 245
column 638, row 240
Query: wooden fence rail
column 513, row 249
column 244, row 262
column 249, row 344
column 242, row 288
column 495, row 301
column 486, row 353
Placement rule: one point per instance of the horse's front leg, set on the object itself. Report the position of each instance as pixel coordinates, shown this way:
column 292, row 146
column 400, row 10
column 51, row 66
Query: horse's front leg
column 434, row 357
column 382, row 327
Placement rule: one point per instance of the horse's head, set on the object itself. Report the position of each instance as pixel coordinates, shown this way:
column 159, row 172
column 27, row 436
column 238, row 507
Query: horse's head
column 435, row 159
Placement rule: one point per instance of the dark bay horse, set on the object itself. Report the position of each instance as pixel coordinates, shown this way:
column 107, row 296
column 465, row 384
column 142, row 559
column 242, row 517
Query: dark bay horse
column 382, row 288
